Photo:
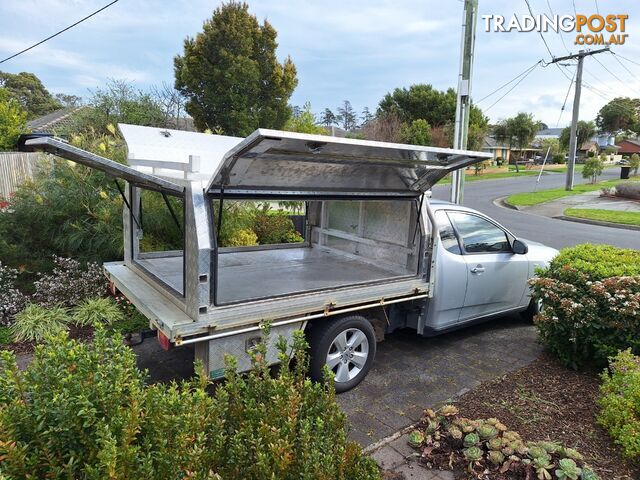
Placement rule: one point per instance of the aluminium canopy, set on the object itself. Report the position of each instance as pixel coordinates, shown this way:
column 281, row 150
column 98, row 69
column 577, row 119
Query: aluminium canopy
column 270, row 162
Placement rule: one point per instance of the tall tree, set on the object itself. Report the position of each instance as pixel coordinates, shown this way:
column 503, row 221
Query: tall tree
column 172, row 103
column 67, row 100
column 13, row 120
column 29, row 91
column 304, row 122
column 417, row 132
column 231, row 76
column 367, row 116
column 328, row 118
column 437, row 107
column 585, row 130
column 347, row 116
column 622, row 114
column 518, row 131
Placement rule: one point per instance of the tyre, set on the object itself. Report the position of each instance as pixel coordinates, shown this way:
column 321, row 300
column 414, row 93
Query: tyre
column 534, row 308
column 347, row 345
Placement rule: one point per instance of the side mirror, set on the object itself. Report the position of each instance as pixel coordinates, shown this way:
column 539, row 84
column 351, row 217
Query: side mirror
column 519, row 247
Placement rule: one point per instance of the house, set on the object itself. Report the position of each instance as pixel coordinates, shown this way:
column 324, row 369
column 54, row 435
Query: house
column 57, row 121
column 497, row 149
column 628, row 147
column 586, row 147
column 548, row 133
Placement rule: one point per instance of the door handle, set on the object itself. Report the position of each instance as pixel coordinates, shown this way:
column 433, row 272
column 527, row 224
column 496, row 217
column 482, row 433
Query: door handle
column 477, row 269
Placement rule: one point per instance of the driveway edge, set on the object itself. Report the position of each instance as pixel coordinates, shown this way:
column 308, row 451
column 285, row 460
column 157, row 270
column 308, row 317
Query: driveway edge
column 502, row 202
column 597, row 222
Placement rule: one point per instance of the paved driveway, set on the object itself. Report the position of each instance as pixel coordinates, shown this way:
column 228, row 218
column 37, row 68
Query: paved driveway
column 410, row 373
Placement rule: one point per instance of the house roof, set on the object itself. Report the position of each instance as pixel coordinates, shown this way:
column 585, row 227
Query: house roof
column 54, row 120
column 629, row 145
column 491, row 143
column 549, row 132
column 588, row 145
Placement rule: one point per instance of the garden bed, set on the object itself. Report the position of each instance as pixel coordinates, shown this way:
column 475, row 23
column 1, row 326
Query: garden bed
column 547, row 401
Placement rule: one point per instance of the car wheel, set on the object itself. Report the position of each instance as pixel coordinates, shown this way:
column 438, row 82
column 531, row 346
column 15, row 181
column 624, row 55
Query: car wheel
column 535, row 307
column 347, row 346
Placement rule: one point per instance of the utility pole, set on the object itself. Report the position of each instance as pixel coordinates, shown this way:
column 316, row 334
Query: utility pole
column 463, row 104
column 573, row 138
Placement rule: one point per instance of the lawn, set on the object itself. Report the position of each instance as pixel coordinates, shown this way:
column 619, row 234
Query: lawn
column 471, row 177
column 526, row 199
column 612, row 216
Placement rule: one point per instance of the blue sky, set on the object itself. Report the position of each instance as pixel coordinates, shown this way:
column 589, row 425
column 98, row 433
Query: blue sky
column 356, row 50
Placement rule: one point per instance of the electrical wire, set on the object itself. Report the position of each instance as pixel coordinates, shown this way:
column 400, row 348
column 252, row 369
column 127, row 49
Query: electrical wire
column 541, row 35
column 59, row 32
column 625, row 58
column 597, row 8
column 559, row 34
column 615, row 76
column 511, row 89
column 622, row 64
column 565, row 99
column 510, row 81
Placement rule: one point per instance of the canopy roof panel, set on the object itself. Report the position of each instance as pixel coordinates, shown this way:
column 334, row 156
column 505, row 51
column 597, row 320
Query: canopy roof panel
column 276, row 163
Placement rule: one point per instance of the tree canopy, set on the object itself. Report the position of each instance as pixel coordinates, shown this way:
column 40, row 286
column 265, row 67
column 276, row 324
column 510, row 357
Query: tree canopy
column 304, row 122
column 13, row 120
column 29, row 91
column 518, row 131
column 584, row 132
column 622, row 114
column 436, row 107
column 231, row 76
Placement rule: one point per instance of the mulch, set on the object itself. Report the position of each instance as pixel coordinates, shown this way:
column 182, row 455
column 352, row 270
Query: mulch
column 83, row 334
column 547, row 401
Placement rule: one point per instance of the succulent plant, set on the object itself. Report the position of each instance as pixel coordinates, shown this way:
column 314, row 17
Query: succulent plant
column 508, row 450
column 466, row 425
column 572, row 454
column 430, row 413
column 487, row 431
column 568, row 470
column 495, row 457
column 521, row 448
column 542, row 465
column 455, row 432
column 550, row 447
column 536, row 451
column 448, row 411
column 416, row 438
column 471, row 440
column 588, row 474
column 495, row 444
column 432, row 426
column 511, row 436
column 472, row 454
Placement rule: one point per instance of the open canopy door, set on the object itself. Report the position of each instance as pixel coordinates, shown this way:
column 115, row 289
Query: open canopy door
column 113, row 169
column 275, row 163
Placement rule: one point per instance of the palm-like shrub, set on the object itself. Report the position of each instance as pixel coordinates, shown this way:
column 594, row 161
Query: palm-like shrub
column 35, row 323
column 97, row 311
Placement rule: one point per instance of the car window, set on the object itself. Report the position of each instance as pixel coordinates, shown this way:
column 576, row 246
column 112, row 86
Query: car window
column 479, row 235
column 447, row 233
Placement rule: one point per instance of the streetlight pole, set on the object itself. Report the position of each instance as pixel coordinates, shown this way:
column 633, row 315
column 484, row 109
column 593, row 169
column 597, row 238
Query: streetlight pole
column 463, row 104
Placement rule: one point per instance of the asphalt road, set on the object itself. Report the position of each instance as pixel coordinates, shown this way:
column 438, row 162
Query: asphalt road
column 553, row 232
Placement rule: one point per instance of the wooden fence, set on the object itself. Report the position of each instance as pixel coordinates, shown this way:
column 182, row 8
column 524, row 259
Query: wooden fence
column 15, row 168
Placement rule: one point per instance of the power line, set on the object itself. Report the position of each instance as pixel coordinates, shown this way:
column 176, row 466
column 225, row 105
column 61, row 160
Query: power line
column 509, row 91
column 58, row 33
column 625, row 58
column 622, row 64
column 615, row 76
column 559, row 34
column 541, row 36
column 565, row 99
column 510, row 81
column 597, row 8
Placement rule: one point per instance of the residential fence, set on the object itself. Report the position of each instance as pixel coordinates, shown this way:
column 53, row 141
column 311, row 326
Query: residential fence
column 16, row 168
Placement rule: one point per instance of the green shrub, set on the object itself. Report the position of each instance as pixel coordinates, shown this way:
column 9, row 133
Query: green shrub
column 591, row 296
column 83, row 411
column 97, row 311
column 35, row 323
column 5, row 335
column 274, row 229
column 243, row 237
column 620, row 402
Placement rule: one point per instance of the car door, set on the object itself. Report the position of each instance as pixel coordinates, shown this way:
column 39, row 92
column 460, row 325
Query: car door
column 496, row 276
column 450, row 277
